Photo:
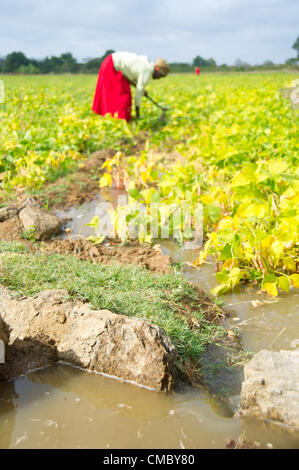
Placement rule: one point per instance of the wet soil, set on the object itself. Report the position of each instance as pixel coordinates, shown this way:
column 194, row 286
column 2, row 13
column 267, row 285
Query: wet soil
column 27, row 354
column 78, row 187
column 146, row 256
column 11, row 230
column 69, row 190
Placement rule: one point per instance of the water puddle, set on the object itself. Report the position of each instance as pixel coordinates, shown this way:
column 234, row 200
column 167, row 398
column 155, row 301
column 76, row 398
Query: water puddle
column 264, row 322
column 65, row 407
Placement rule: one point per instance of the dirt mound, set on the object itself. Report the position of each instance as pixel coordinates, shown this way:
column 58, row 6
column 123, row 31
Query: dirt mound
column 11, row 230
column 144, row 256
column 148, row 257
column 80, row 186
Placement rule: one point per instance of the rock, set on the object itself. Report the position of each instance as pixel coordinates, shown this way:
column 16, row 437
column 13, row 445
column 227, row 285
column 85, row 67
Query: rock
column 128, row 348
column 270, row 390
column 43, row 224
column 4, row 333
column 4, row 338
column 7, row 213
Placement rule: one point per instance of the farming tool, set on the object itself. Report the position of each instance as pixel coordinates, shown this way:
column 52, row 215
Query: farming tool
column 162, row 117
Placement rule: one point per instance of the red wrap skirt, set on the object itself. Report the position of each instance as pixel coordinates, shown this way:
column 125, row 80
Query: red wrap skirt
column 113, row 92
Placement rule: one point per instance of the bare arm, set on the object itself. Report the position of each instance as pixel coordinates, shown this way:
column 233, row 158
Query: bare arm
column 137, row 108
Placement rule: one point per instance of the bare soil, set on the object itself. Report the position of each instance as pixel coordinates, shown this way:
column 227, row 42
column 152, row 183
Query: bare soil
column 145, row 256
column 69, row 190
column 78, row 187
column 11, row 230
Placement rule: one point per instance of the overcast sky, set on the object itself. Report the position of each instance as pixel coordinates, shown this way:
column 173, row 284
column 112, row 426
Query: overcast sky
column 178, row 30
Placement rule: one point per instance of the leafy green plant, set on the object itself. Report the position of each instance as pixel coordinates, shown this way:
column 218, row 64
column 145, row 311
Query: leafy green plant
column 29, row 234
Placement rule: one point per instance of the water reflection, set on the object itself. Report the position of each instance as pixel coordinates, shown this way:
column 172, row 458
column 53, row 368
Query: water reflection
column 65, row 407
column 8, row 405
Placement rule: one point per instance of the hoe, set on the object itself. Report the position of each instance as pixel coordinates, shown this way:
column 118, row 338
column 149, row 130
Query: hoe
column 162, row 117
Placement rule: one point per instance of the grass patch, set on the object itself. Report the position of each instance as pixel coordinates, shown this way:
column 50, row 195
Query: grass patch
column 166, row 300
column 13, row 247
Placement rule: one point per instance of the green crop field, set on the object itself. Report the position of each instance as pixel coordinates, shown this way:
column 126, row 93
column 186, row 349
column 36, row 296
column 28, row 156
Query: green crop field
column 229, row 141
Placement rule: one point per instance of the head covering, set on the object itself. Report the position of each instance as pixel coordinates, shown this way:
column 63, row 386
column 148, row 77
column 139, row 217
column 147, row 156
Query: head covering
column 163, row 66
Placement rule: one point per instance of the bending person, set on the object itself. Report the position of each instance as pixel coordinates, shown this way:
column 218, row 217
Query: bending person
column 117, row 72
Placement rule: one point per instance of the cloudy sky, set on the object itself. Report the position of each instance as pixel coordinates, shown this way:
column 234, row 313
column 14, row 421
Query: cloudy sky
column 178, row 30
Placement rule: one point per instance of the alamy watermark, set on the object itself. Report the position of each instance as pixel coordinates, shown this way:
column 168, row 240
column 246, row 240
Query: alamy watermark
column 183, row 222
column 292, row 93
column 2, row 92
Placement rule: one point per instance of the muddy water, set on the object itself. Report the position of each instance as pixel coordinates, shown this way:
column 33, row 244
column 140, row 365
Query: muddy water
column 263, row 322
column 64, row 407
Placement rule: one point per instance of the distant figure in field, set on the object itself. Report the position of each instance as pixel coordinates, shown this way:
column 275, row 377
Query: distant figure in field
column 197, row 70
column 117, row 72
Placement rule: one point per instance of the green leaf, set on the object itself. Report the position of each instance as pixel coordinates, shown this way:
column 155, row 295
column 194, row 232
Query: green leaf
column 134, row 193
column 226, row 253
column 213, row 212
column 221, row 289
column 156, row 197
column 271, row 288
column 284, row 283
column 270, row 278
column 222, row 276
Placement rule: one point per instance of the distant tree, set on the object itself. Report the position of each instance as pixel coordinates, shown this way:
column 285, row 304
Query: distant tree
column 268, row 64
column 62, row 64
column 181, row 67
column 68, row 63
column 28, row 69
column 14, row 61
column 241, row 65
column 93, row 65
column 292, row 61
column 2, row 62
column 211, row 63
column 51, row 64
column 198, row 61
column 296, row 46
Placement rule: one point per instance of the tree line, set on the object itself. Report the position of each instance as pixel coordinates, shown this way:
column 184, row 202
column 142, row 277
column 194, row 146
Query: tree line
column 18, row 63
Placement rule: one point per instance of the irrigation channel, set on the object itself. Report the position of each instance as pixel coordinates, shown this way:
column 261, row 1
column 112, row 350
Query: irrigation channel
column 65, row 407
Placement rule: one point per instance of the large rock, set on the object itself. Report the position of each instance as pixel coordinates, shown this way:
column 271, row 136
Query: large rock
column 4, row 333
column 128, row 348
column 7, row 213
column 42, row 223
column 4, row 338
column 271, row 387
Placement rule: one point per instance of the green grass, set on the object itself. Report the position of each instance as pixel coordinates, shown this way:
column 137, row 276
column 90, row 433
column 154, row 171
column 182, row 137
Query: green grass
column 14, row 247
column 168, row 301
